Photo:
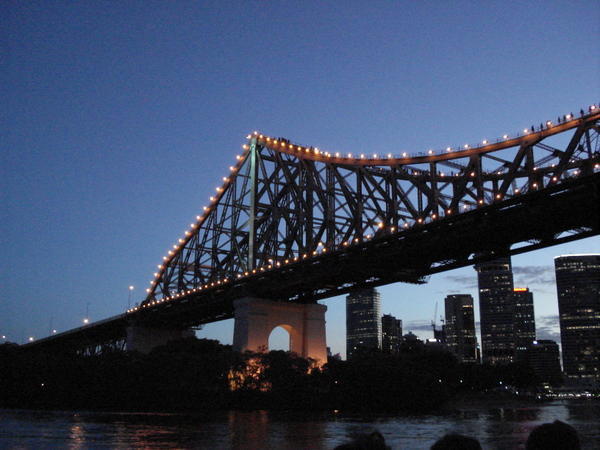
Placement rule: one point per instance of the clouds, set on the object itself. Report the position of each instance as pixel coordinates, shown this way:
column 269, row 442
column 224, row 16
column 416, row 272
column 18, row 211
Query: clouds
column 539, row 276
column 463, row 281
column 547, row 327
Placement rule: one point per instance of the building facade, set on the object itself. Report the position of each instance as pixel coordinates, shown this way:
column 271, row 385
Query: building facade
column 544, row 359
column 460, row 327
column 578, row 288
column 495, row 281
column 391, row 334
column 363, row 321
column 524, row 321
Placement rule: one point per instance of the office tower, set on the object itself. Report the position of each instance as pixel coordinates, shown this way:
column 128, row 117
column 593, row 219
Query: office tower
column 460, row 327
column 391, row 329
column 524, row 321
column 363, row 321
column 543, row 357
column 496, row 310
column 578, row 288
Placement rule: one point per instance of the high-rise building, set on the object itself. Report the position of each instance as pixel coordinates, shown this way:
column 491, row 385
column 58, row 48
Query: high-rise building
column 495, row 280
column 460, row 327
column 363, row 321
column 543, row 357
column 524, row 321
column 391, row 329
column 578, row 287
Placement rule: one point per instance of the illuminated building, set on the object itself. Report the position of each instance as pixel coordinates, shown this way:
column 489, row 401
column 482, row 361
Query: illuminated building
column 524, row 321
column 391, row 329
column 578, row 287
column 363, row 321
column 460, row 327
column 495, row 280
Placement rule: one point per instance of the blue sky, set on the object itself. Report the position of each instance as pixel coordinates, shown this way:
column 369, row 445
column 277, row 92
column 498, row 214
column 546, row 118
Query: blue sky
column 120, row 118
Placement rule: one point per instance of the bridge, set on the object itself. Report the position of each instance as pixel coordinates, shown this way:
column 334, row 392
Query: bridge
column 291, row 224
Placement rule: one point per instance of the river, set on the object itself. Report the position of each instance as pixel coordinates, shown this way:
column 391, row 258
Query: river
column 496, row 427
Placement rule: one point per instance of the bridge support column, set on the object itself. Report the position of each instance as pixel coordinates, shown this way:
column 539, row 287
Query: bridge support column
column 144, row 339
column 255, row 319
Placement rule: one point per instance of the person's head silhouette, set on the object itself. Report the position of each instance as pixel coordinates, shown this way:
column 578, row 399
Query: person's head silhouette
column 553, row 435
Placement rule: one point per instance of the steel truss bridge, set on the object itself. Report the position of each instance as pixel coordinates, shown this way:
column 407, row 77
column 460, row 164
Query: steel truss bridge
column 299, row 224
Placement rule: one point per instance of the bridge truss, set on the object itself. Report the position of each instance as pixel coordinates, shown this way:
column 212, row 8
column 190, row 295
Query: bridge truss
column 284, row 203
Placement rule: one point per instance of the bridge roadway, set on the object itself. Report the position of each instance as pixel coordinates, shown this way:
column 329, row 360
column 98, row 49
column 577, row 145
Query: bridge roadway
column 523, row 223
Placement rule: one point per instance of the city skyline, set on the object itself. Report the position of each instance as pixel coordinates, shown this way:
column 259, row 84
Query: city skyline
column 116, row 138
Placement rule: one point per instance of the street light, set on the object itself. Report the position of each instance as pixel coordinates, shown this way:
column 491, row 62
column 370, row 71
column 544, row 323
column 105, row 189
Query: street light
column 131, row 288
column 86, row 321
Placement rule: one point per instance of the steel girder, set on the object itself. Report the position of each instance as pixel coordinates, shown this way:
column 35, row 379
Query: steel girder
column 283, row 202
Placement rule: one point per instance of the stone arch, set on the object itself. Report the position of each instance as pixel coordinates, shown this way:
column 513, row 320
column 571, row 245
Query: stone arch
column 287, row 329
column 255, row 319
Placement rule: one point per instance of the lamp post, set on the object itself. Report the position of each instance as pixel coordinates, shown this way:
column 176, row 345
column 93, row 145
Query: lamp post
column 131, row 288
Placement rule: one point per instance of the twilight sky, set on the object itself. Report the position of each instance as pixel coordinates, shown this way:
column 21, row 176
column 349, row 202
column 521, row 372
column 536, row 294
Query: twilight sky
column 119, row 119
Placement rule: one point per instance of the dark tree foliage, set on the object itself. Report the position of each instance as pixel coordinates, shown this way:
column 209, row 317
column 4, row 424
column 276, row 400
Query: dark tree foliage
column 200, row 375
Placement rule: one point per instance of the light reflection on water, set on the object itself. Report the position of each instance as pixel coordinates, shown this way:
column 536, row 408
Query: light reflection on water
column 495, row 427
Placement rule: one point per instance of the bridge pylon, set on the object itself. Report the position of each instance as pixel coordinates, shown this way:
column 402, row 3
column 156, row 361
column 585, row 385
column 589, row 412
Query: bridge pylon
column 256, row 318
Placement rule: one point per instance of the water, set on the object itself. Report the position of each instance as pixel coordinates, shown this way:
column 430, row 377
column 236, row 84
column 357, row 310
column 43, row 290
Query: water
column 496, row 427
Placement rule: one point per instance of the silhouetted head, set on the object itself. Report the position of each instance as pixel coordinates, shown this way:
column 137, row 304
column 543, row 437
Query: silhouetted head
column 456, row 442
column 553, row 435
column 373, row 441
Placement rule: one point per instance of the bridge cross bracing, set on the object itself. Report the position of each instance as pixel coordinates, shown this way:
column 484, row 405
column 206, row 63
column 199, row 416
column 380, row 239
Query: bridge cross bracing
column 283, row 203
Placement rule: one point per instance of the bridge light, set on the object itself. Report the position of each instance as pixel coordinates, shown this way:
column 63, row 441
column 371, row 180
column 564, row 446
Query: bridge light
column 449, row 211
column 404, row 154
column 275, row 142
column 419, row 220
column 337, row 155
column 472, row 174
column 31, row 339
column 448, row 149
column 362, row 156
column 466, row 145
column 549, row 123
column 219, row 189
column 480, row 201
column 238, row 157
column 393, row 229
column 517, row 191
column 380, row 225
column 534, row 185
column 430, row 152
column 389, row 155
column 554, row 178
column 568, row 116
column 498, row 196
column 255, row 133
column 148, row 290
column 245, row 147
column 434, row 216
column 525, row 130
column 405, row 225
column 375, row 155
column 212, row 199
column 593, row 107
column 181, row 241
column 175, row 246
column 86, row 320
column 505, row 136
column 485, row 142
column 170, row 252
column 268, row 139
column 232, row 169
